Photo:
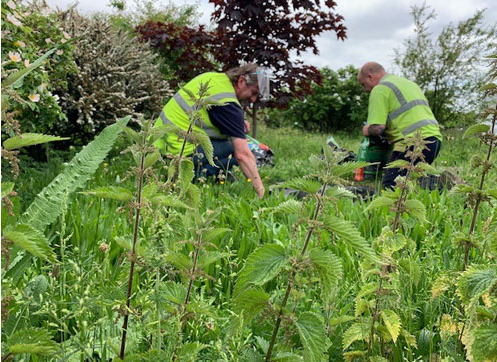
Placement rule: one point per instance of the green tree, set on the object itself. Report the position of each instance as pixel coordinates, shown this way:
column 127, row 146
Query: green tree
column 339, row 103
column 449, row 68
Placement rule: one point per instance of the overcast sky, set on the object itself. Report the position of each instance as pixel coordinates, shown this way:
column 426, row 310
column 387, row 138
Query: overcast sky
column 374, row 27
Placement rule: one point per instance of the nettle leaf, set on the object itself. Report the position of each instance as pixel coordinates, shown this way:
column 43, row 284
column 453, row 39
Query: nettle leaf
column 347, row 168
column 251, row 302
column 302, row 184
column 31, row 240
column 492, row 193
column 189, row 351
column 186, row 173
column 485, row 344
column 132, row 134
column 170, row 292
column 339, row 192
column 312, row 335
column 212, row 235
column 476, row 128
column 329, row 269
column 476, row 281
column 288, row 207
column 428, row 168
column 359, row 331
column 29, row 139
column 192, row 194
column 380, row 202
column 417, row 209
column 32, row 341
column 110, row 192
column 354, row 356
column 7, row 188
column 179, row 260
column 151, row 158
column 264, row 264
column 441, row 284
column 392, row 322
column 342, row 319
column 378, row 359
column 204, row 141
column 462, row 189
column 398, row 164
column 351, row 236
column 286, row 357
column 209, row 257
column 410, row 339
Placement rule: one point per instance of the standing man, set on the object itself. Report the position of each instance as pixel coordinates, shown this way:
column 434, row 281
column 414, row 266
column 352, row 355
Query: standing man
column 398, row 107
column 225, row 125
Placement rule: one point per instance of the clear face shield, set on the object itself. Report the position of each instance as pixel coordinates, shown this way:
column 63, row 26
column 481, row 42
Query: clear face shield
column 263, row 79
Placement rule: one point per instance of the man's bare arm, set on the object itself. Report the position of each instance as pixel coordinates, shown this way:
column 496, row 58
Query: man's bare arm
column 373, row 129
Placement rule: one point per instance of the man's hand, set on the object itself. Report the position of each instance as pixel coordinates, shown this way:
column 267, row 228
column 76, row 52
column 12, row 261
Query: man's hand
column 247, row 127
column 365, row 130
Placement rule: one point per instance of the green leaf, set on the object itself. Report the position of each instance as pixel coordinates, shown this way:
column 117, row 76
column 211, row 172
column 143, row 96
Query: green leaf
column 392, row 322
column 312, row 335
column 286, row 357
column 354, row 356
column 110, row 192
column 329, row 269
column 487, row 87
column 47, row 205
column 428, row 168
column 206, row 144
column 189, row 351
column 485, row 343
column 359, row 331
column 476, row 128
column 186, row 173
column 346, row 231
column 302, row 184
column 212, row 235
column 264, row 264
column 347, row 168
column 342, row 319
column 192, row 196
column 339, row 192
column 29, row 139
column 476, row 281
column 7, row 188
column 417, row 209
column 31, row 240
column 378, row 359
column 151, row 158
column 180, row 261
column 398, row 164
column 209, row 257
column 492, row 193
column 288, row 207
column 251, row 302
column 132, row 134
column 380, row 202
column 462, row 189
column 170, row 292
column 32, row 341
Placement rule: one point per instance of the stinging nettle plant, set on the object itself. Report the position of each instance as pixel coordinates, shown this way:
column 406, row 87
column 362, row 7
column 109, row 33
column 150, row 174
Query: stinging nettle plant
column 286, row 263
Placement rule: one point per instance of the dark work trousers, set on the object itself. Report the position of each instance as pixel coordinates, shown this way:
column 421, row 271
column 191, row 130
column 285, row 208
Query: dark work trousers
column 430, row 154
column 223, row 149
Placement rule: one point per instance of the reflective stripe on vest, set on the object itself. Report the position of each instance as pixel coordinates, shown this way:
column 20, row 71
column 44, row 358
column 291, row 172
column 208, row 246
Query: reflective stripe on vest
column 189, row 109
column 404, row 107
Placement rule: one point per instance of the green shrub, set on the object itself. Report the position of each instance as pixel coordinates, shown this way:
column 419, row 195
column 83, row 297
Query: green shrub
column 338, row 104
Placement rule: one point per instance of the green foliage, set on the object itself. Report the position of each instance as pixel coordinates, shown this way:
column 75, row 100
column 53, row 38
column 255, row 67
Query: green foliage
column 338, row 103
column 29, row 139
column 356, row 332
column 476, row 128
column 251, row 302
column 30, row 239
column 476, row 281
column 264, row 264
column 392, row 322
column 47, row 205
column 329, row 269
column 110, row 192
column 350, row 236
column 485, row 344
column 32, row 341
column 312, row 336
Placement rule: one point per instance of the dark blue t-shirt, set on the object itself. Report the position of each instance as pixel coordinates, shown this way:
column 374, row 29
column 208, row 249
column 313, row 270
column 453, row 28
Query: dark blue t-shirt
column 229, row 119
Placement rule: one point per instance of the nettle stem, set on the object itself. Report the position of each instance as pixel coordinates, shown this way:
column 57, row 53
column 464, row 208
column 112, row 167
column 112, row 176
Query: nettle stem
column 291, row 279
column 133, row 253
column 479, row 198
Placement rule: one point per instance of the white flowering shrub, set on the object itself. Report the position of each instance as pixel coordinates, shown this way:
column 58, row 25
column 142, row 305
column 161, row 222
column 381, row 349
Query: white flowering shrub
column 117, row 76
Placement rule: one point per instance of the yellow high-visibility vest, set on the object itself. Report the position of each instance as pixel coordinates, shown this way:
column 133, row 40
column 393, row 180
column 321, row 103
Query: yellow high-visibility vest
column 180, row 106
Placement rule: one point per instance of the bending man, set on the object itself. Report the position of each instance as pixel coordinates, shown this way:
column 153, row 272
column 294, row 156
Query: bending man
column 398, row 107
column 225, row 125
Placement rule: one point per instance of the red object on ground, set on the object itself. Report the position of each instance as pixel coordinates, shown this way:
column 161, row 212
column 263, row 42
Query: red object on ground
column 262, row 146
column 359, row 174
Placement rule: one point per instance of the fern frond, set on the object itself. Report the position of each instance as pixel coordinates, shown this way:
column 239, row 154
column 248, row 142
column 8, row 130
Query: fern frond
column 47, row 205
